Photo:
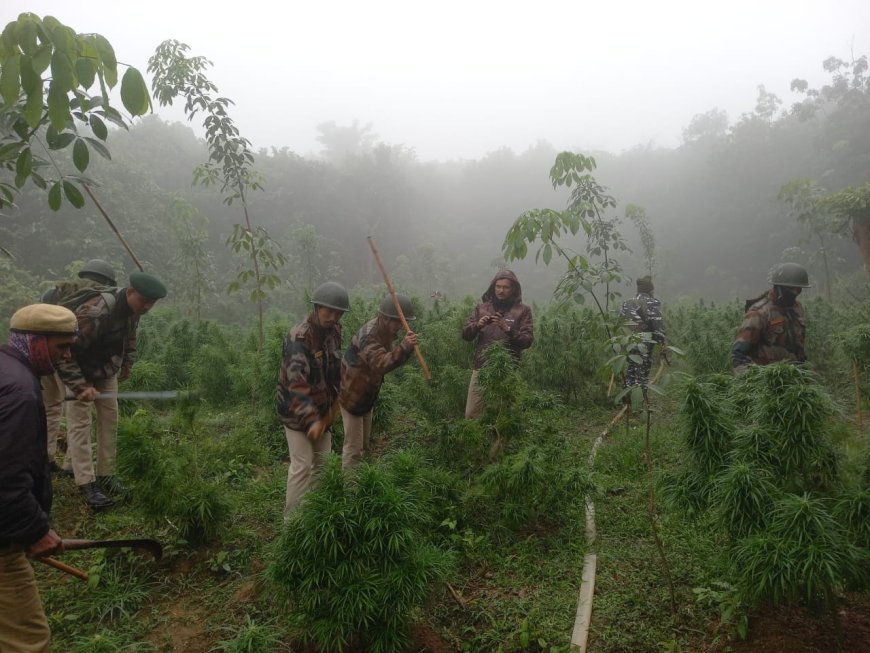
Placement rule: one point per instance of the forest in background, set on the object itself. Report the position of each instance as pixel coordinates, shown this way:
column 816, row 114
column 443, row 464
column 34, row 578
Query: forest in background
column 712, row 205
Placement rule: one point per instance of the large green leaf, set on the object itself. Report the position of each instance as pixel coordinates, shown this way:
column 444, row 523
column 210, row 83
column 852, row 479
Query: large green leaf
column 26, row 34
column 33, row 107
column 55, row 197
column 42, row 58
column 58, row 106
column 10, row 80
column 73, row 194
column 134, row 92
column 81, row 155
column 30, row 81
column 107, row 57
column 62, row 72
column 101, row 149
column 86, row 71
column 58, row 140
column 98, row 127
column 24, row 163
column 10, row 151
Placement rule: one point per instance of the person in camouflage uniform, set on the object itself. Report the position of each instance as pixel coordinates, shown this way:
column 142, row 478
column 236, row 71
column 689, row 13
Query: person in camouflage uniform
column 370, row 356
column 307, row 396
column 774, row 326
column 103, row 355
column 95, row 273
column 645, row 312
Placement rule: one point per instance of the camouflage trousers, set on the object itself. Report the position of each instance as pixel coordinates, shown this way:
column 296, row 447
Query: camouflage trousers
column 637, row 374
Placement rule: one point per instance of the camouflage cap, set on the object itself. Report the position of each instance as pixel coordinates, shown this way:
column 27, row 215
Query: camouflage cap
column 147, row 285
column 44, row 319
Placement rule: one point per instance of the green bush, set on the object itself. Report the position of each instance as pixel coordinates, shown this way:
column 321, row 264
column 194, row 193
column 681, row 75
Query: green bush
column 356, row 558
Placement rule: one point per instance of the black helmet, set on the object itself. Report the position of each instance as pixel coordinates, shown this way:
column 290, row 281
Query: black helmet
column 790, row 274
column 331, row 295
column 388, row 308
column 98, row 270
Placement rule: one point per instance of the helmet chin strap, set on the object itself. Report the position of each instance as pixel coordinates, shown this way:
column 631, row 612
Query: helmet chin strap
column 786, row 297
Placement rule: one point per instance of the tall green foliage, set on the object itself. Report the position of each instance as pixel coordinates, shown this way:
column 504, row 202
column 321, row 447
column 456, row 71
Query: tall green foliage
column 585, row 275
column 357, row 557
column 46, row 73
column 775, row 483
column 230, row 163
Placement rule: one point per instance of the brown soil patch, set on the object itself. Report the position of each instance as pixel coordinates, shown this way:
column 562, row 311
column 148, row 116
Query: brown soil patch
column 797, row 630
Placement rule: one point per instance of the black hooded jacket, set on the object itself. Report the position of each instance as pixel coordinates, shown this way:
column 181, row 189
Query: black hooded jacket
column 517, row 315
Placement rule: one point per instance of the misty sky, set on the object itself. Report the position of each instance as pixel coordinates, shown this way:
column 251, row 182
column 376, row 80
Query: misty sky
column 455, row 80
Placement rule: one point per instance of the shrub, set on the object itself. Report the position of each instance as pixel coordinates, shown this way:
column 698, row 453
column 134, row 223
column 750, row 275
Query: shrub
column 356, row 557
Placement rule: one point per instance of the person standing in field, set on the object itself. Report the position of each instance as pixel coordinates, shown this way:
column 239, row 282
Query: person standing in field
column 645, row 313
column 502, row 317
column 774, row 326
column 95, row 273
column 370, row 356
column 41, row 337
column 307, row 396
column 103, row 356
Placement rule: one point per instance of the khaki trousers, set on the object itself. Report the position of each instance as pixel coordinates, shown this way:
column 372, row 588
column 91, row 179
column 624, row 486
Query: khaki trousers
column 474, row 402
column 357, row 438
column 53, row 393
column 306, row 459
column 23, row 626
column 78, row 434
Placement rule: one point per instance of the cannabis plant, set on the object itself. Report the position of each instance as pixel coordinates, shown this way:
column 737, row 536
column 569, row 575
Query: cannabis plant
column 356, row 558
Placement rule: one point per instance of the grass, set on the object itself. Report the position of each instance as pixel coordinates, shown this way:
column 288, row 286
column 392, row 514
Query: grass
column 518, row 588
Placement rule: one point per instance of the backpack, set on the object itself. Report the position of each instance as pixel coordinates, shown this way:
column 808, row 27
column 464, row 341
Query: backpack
column 72, row 294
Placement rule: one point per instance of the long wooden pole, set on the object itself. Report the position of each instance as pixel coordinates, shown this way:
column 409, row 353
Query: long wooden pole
column 113, row 227
column 399, row 312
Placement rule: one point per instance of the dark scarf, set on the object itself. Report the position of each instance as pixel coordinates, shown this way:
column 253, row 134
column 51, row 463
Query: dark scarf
column 35, row 348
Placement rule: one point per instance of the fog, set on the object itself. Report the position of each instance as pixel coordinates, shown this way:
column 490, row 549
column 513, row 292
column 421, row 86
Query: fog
column 456, row 80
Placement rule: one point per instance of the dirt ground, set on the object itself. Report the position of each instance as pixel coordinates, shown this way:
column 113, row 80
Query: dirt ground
column 797, row 630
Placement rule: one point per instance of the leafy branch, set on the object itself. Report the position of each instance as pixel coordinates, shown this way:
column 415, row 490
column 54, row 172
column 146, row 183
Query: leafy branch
column 230, row 164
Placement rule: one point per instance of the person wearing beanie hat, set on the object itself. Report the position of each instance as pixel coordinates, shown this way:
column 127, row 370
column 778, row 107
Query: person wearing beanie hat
column 41, row 337
column 103, row 356
column 644, row 313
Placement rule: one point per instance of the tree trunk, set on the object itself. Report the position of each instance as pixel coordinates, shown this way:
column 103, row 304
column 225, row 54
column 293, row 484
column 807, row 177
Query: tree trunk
column 861, row 233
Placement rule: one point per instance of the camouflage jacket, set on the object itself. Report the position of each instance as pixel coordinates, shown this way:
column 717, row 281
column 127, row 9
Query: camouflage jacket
column 310, row 374
column 770, row 333
column 646, row 313
column 105, row 344
column 368, row 358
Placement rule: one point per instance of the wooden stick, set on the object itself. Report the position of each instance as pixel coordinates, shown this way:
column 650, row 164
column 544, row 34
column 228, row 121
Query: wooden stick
column 114, row 228
column 399, row 312
column 57, row 564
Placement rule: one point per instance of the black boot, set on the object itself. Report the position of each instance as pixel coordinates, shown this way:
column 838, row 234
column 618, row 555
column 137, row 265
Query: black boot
column 94, row 498
column 111, row 486
column 59, row 471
